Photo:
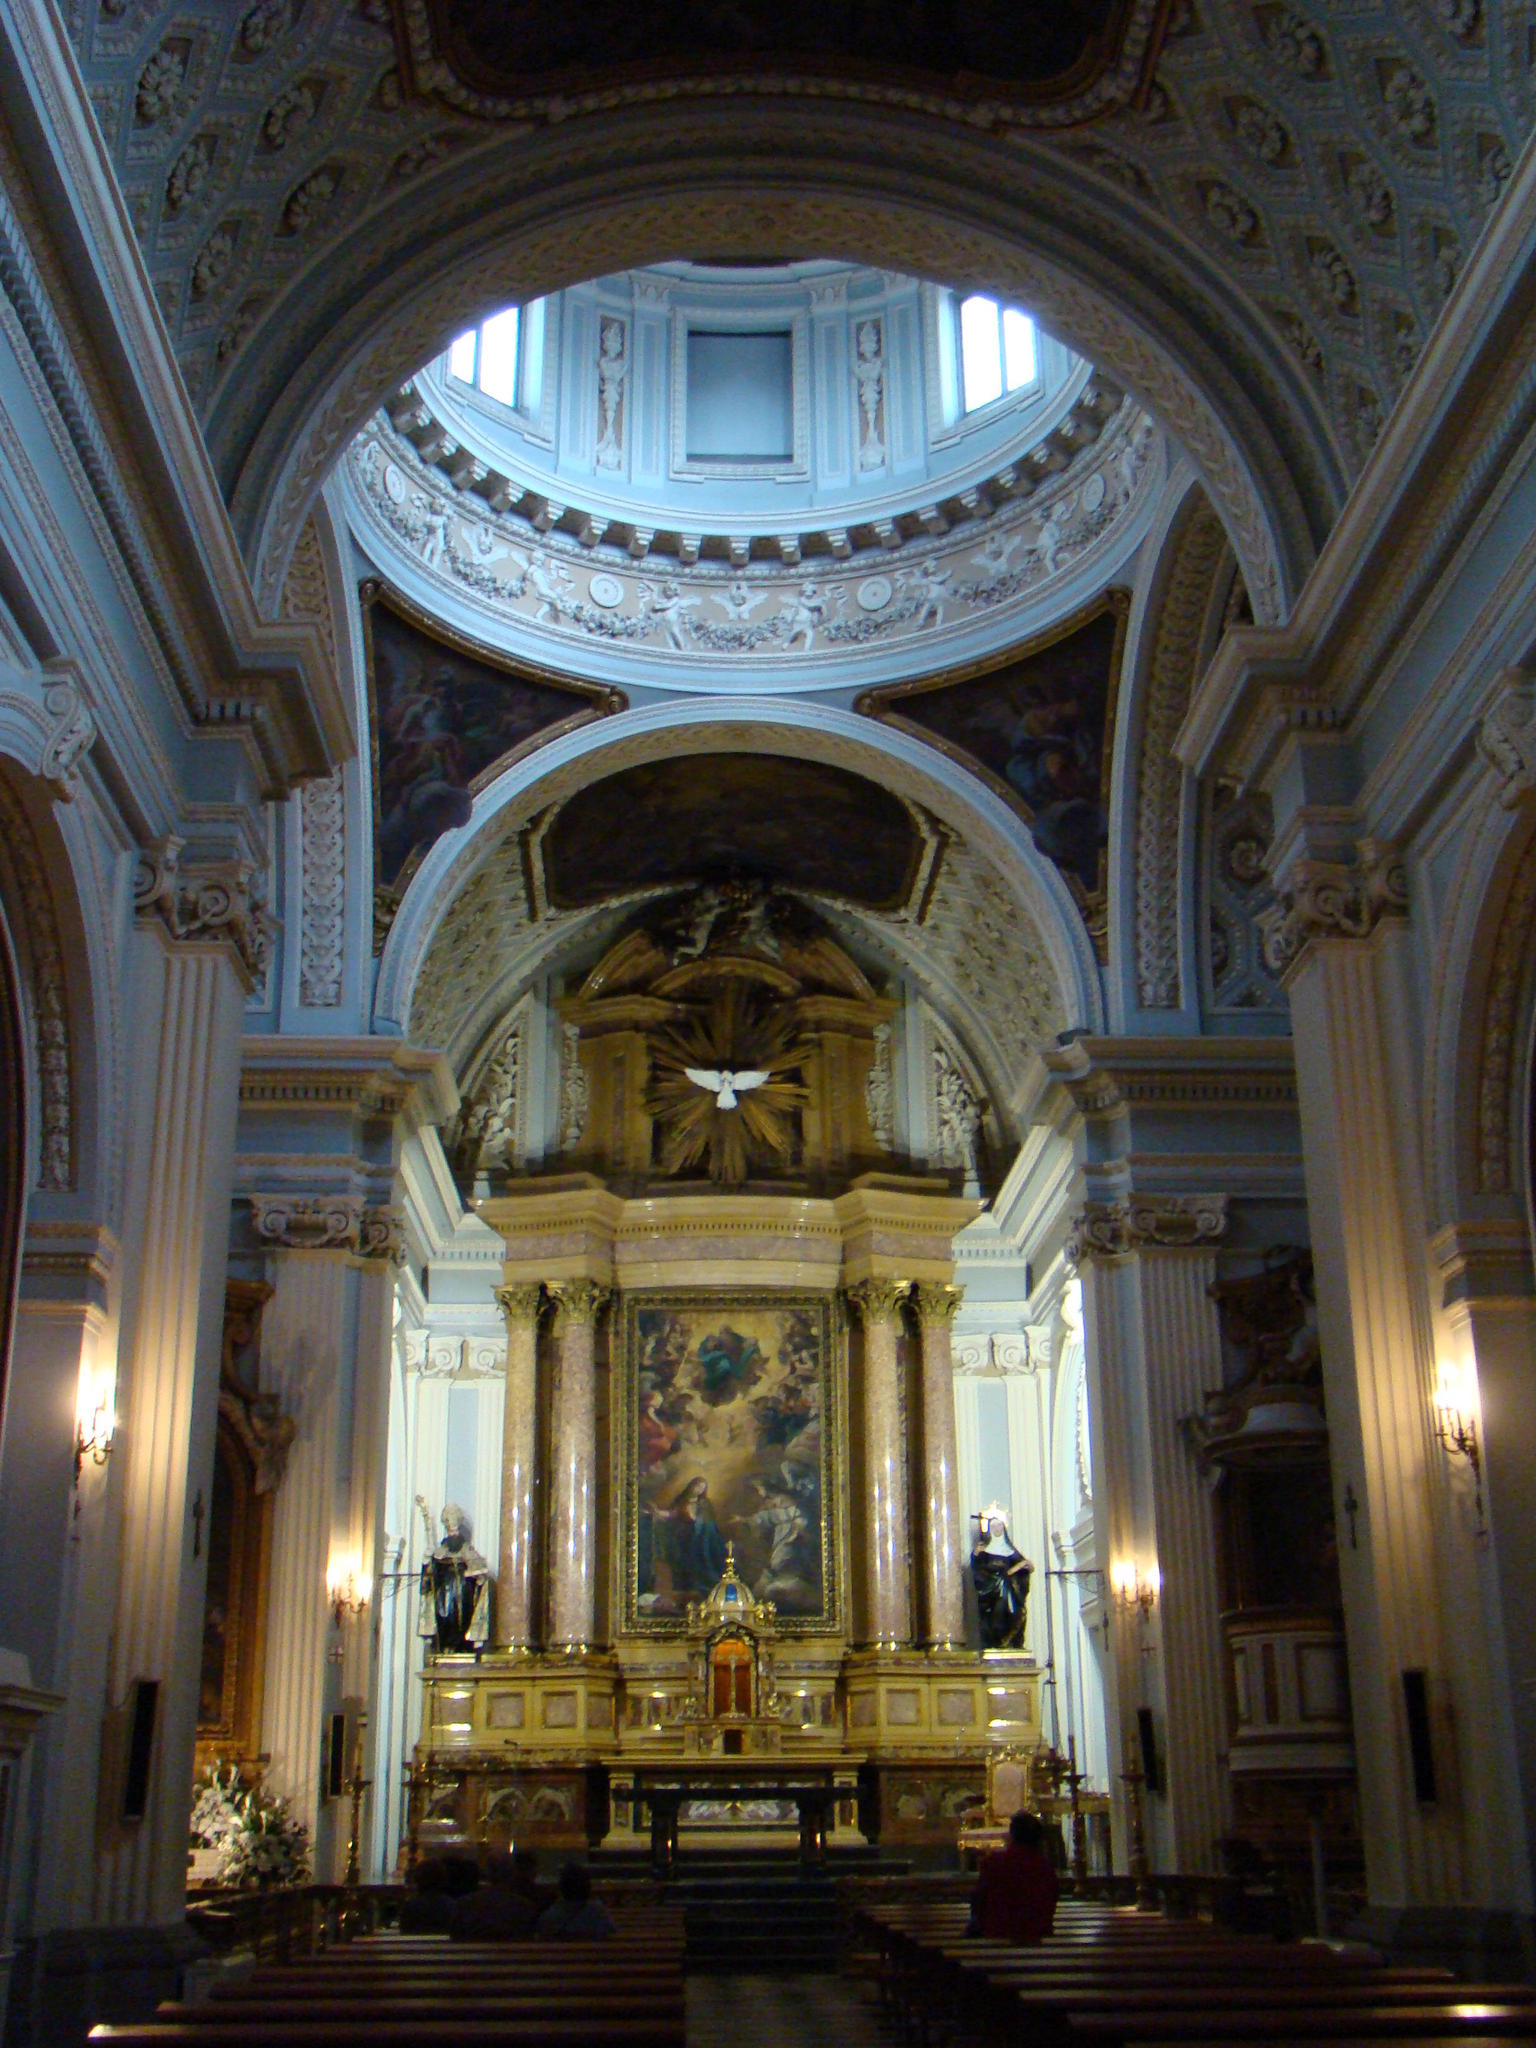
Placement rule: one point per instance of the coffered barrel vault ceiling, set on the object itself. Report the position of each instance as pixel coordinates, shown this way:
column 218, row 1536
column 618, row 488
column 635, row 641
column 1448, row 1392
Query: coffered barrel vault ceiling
column 1319, row 172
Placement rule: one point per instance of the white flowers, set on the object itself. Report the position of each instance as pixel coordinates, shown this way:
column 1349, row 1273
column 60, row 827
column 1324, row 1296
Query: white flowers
column 259, row 1841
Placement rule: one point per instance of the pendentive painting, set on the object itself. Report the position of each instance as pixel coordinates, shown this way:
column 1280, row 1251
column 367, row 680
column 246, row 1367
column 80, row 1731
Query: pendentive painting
column 446, row 714
column 729, row 1425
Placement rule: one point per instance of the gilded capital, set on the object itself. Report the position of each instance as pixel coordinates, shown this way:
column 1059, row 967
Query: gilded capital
column 576, row 1301
column 878, row 1301
column 938, row 1301
column 1325, row 899
column 520, row 1303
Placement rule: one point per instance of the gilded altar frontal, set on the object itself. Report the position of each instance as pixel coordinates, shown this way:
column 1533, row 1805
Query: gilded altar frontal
column 730, row 1421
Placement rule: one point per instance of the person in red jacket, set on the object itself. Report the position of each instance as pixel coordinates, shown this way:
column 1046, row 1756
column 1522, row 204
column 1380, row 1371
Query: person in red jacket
column 1015, row 1896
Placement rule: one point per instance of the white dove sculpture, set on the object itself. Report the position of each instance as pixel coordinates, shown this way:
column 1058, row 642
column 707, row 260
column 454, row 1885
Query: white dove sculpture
column 724, row 1085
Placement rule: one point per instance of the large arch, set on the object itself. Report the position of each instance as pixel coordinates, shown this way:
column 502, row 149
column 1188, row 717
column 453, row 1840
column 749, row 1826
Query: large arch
column 982, row 821
column 530, row 213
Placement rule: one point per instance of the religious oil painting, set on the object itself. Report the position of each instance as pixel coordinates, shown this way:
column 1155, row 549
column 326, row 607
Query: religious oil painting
column 446, row 717
column 1039, row 728
column 730, row 1409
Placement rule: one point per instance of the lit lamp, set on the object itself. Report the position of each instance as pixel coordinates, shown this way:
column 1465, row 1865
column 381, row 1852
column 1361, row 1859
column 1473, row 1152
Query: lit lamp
column 348, row 1592
column 95, row 1425
column 1456, row 1426
column 1134, row 1588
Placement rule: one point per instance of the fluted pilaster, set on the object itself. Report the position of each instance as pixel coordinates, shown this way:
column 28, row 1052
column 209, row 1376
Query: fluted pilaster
column 938, row 1486
column 572, row 1561
column 515, row 1617
column 186, row 1009
column 887, row 1548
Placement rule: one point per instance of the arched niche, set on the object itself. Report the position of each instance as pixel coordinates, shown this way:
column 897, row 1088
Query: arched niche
column 482, row 856
column 533, row 212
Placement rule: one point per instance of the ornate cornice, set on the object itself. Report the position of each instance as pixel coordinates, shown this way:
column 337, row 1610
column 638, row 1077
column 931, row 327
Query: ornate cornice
column 577, row 1302
column 1142, row 1223
column 878, row 1301
column 209, row 901
column 521, row 1302
column 308, row 1223
column 1324, row 899
column 370, row 1077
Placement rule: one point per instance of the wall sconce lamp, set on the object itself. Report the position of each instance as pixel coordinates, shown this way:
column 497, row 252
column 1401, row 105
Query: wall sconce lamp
column 348, row 1593
column 1456, row 1427
column 1134, row 1588
column 93, row 1436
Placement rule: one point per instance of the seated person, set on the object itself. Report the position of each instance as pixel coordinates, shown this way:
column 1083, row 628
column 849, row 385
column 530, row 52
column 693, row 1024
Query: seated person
column 1015, row 1896
column 427, row 1908
column 525, row 1881
column 499, row 1910
column 576, row 1915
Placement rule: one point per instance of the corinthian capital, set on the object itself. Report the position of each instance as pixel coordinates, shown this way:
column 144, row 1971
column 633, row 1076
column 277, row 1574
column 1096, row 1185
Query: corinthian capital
column 221, row 900
column 937, row 1301
column 1325, row 899
column 520, row 1303
column 1138, row 1223
column 308, row 1223
column 878, row 1300
column 576, row 1302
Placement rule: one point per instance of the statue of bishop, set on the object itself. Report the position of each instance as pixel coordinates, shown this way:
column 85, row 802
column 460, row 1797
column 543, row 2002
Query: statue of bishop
column 454, row 1612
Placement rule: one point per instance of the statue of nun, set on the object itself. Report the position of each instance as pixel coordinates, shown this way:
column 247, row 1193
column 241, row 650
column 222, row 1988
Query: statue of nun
column 1001, row 1574
column 454, row 1612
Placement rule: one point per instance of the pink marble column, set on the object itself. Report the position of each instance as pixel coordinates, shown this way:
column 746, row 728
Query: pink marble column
column 887, row 1575
column 514, row 1581
column 572, row 1567
column 939, row 1490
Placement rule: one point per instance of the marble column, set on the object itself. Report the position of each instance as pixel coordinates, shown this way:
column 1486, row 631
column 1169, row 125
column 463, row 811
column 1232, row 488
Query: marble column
column 939, row 1484
column 198, row 943
column 1335, row 929
column 515, row 1619
column 572, row 1561
column 1153, row 1347
column 887, row 1549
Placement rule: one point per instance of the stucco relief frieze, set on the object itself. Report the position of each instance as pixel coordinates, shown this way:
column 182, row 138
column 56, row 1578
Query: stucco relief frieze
column 1141, row 1223
column 1496, row 1119
column 1506, row 739
column 322, row 806
column 37, row 928
column 994, row 1354
column 1159, row 803
column 207, row 900
column 440, row 1357
column 810, row 603
column 1319, row 899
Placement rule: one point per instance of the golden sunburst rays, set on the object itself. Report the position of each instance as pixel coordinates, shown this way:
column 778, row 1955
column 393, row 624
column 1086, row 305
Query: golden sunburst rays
column 735, row 1035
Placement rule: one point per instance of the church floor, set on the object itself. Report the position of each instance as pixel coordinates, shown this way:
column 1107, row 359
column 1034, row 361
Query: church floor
column 783, row 2012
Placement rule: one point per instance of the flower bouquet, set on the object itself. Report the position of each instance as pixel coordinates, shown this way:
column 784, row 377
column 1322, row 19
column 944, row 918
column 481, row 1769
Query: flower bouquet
column 256, row 1840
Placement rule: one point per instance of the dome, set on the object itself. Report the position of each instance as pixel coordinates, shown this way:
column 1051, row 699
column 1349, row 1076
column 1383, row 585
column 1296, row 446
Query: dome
column 785, row 469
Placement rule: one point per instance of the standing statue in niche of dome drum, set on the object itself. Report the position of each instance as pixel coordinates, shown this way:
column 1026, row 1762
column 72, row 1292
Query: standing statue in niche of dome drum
column 454, row 1611
column 1001, row 1574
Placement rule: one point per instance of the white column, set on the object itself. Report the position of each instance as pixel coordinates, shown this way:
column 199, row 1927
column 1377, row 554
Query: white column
column 303, row 1330
column 571, row 1559
column 1377, row 1351
column 938, row 1478
column 887, row 1544
column 381, row 1242
column 1153, row 1349
column 190, row 971
column 515, row 1617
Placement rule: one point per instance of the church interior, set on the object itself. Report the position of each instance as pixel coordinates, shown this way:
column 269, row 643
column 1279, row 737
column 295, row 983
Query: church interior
column 767, row 951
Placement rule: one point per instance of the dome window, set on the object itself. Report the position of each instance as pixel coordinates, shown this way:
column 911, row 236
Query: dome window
column 997, row 351
column 503, row 358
